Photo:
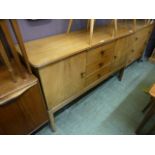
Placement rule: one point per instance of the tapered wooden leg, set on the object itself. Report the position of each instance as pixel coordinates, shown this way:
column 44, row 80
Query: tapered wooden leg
column 69, row 25
column 7, row 62
column 20, row 42
column 4, row 27
column 121, row 72
column 146, row 118
column 91, row 30
column 52, row 121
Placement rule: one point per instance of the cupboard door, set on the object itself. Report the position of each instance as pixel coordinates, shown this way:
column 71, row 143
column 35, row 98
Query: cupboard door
column 120, row 53
column 63, row 79
column 23, row 114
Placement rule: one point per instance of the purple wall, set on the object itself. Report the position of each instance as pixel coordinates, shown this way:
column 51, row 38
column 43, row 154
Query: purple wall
column 34, row 29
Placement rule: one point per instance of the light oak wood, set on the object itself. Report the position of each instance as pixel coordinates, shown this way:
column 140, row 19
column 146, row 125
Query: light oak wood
column 52, row 120
column 68, row 66
column 120, row 53
column 71, row 98
column 92, row 21
column 7, row 62
column 98, row 74
column 97, row 53
column 63, row 79
column 69, row 25
column 134, row 25
column 42, row 52
column 115, row 27
column 152, row 91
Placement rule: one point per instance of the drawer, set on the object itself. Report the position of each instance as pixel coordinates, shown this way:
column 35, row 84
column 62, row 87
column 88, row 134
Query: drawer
column 142, row 35
column 100, row 63
column 101, row 52
column 98, row 75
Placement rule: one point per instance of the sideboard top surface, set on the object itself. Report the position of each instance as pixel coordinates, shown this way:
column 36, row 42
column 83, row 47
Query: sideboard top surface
column 48, row 50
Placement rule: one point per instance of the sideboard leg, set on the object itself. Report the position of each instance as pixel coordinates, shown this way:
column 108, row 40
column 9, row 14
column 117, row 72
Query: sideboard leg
column 121, row 72
column 140, row 59
column 52, row 121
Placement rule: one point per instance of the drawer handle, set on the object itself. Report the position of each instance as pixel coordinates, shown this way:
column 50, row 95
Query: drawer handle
column 136, row 38
column 83, row 74
column 102, row 53
column 99, row 75
column 132, row 50
column 115, row 57
column 100, row 64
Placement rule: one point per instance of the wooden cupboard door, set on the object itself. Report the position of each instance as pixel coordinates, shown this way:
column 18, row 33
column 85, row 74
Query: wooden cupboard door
column 63, row 79
column 120, row 53
column 23, row 114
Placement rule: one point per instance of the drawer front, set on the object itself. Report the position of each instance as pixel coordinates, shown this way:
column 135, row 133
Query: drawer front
column 100, row 63
column 98, row 75
column 98, row 58
column 101, row 52
column 142, row 35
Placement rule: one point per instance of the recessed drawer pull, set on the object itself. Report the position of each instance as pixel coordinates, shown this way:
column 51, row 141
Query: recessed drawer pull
column 115, row 57
column 100, row 64
column 102, row 52
column 82, row 74
column 136, row 38
column 99, row 75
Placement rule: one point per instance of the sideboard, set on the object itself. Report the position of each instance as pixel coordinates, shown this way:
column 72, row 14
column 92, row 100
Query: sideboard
column 68, row 66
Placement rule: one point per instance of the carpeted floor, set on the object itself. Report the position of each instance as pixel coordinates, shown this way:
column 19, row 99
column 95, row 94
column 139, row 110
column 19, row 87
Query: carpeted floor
column 113, row 107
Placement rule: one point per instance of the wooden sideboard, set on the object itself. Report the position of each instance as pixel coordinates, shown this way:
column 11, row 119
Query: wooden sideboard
column 68, row 66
